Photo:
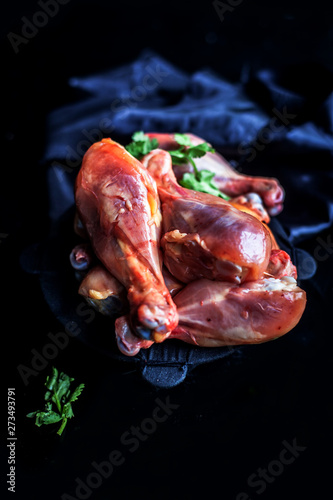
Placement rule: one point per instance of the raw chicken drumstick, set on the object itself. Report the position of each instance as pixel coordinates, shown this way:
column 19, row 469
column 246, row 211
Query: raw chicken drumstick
column 205, row 236
column 214, row 314
column 118, row 205
column 227, row 179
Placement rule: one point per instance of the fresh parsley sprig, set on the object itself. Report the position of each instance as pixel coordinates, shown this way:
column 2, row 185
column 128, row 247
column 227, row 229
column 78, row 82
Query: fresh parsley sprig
column 141, row 145
column 202, row 181
column 188, row 151
column 198, row 180
column 58, row 401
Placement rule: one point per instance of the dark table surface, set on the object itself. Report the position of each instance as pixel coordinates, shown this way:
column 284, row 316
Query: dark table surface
column 257, row 424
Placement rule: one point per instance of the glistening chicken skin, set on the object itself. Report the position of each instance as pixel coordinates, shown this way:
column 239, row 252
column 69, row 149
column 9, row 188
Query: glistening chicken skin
column 119, row 207
column 213, row 314
column 205, row 236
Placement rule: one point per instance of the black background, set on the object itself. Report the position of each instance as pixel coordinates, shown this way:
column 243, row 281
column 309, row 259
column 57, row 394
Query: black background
column 233, row 416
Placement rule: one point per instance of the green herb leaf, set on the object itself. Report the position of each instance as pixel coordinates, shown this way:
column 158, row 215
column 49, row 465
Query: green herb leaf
column 139, row 136
column 60, row 395
column 48, row 417
column 63, row 385
column 51, row 380
column 75, row 394
column 203, row 182
column 178, row 157
column 183, row 139
column 141, row 145
column 200, row 150
column 32, row 414
column 67, row 411
column 199, row 180
column 187, row 151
